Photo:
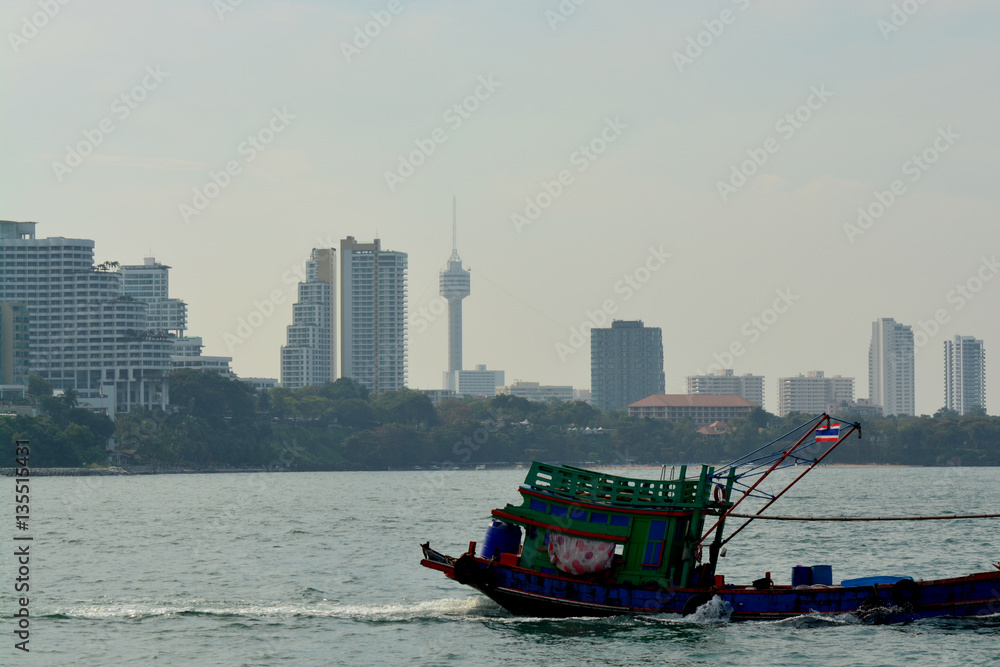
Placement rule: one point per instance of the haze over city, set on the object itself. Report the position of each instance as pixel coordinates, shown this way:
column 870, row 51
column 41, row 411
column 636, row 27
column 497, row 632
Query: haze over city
column 666, row 162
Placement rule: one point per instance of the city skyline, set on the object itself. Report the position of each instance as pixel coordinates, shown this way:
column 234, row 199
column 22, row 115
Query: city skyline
column 623, row 163
column 149, row 282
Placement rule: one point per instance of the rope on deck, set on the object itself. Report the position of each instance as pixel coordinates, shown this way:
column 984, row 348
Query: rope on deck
column 867, row 518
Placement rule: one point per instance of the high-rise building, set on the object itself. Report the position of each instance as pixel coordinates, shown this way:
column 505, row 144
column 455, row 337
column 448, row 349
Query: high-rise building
column 890, row 367
column 15, row 354
column 309, row 355
column 626, row 364
column 964, row 374
column 750, row 387
column 373, row 315
column 455, row 286
column 812, row 393
column 149, row 282
column 85, row 333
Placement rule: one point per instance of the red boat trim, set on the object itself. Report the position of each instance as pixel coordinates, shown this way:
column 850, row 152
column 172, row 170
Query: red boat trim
column 614, row 508
column 440, row 567
column 557, row 529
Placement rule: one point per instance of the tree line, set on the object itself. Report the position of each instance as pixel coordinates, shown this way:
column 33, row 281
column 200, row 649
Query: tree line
column 219, row 422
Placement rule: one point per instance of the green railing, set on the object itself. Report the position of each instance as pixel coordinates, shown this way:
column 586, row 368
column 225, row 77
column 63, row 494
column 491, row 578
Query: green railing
column 603, row 489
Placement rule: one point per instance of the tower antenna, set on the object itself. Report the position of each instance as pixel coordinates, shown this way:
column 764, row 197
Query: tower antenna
column 454, row 229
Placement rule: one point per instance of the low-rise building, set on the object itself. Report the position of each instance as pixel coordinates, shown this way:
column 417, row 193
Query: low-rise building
column 750, row 387
column 812, row 392
column 480, row 382
column 533, row 391
column 260, row 384
column 437, row 395
column 703, row 409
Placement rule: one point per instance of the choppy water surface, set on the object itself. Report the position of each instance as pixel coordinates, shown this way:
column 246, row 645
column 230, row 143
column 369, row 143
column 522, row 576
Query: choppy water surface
column 323, row 568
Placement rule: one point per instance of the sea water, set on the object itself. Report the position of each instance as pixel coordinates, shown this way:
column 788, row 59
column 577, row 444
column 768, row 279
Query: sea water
column 323, row 568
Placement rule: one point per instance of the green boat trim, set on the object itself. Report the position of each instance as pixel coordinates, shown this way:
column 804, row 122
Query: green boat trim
column 655, row 525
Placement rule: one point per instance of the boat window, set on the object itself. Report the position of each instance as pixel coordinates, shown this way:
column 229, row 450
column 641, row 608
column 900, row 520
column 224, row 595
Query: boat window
column 557, row 510
column 538, row 505
column 578, row 515
column 654, row 546
column 618, row 520
column 598, row 517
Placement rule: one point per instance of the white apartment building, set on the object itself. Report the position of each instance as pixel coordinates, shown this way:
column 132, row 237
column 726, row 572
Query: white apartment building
column 964, row 374
column 748, row 386
column 149, row 282
column 812, row 393
column 309, row 355
column 890, row 367
column 85, row 333
column 187, row 354
column 479, row 382
column 373, row 315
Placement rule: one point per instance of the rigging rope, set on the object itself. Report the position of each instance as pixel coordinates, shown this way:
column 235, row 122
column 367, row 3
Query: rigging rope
column 867, row 518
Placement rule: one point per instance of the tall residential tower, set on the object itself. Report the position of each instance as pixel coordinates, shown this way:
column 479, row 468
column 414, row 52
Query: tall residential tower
column 626, row 364
column 373, row 315
column 890, row 367
column 964, row 374
column 455, row 286
column 309, row 354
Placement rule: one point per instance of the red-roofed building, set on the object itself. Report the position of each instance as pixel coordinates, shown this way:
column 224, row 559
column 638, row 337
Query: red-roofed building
column 703, row 409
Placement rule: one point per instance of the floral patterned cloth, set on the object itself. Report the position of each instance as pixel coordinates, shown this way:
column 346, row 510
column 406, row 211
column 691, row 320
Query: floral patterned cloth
column 579, row 556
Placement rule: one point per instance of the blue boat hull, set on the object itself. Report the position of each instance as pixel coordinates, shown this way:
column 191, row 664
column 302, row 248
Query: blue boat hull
column 528, row 593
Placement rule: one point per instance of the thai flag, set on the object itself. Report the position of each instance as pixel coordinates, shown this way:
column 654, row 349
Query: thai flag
column 829, row 433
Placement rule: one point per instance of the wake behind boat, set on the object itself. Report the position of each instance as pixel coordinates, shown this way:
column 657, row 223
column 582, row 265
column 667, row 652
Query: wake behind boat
column 586, row 543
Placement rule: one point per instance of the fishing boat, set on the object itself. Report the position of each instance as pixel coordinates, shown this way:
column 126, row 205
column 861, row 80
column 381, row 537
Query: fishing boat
column 587, row 543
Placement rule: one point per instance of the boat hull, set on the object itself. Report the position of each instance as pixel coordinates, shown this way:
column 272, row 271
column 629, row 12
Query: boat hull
column 529, row 593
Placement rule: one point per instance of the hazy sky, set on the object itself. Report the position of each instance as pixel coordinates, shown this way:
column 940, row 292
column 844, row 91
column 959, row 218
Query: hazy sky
column 710, row 152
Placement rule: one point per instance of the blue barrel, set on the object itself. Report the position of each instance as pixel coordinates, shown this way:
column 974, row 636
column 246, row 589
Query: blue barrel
column 822, row 575
column 801, row 576
column 501, row 538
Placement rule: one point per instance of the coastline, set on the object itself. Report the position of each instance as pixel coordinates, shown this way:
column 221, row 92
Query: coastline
column 128, row 471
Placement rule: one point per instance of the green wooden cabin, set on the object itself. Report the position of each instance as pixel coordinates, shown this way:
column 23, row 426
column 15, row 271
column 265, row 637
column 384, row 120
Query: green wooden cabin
column 655, row 524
